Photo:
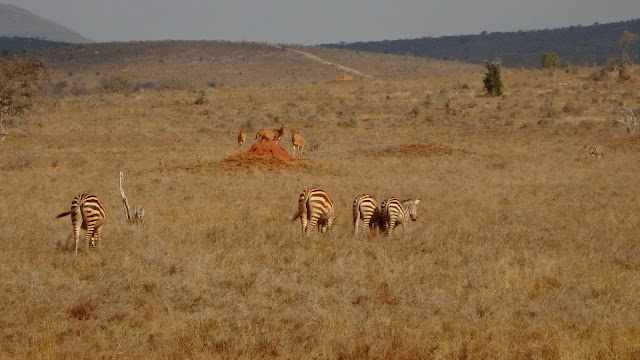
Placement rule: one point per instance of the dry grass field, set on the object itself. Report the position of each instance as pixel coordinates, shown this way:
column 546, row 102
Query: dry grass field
column 525, row 246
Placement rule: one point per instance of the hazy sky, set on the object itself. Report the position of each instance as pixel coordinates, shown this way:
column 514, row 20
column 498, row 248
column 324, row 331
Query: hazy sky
column 317, row 21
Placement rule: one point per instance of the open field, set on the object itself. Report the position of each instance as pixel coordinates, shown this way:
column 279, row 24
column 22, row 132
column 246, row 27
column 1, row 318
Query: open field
column 525, row 246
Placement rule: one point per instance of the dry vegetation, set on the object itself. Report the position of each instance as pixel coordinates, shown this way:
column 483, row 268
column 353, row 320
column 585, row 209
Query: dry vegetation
column 525, row 246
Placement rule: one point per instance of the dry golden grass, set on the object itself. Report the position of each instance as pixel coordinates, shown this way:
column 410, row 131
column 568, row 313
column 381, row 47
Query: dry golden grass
column 525, row 247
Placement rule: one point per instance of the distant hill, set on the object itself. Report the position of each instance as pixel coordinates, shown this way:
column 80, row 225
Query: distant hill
column 575, row 45
column 12, row 44
column 201, row 64
column 18, row 22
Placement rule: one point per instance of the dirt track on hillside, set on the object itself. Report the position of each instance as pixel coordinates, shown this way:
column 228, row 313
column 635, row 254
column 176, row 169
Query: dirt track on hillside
column 329, row 63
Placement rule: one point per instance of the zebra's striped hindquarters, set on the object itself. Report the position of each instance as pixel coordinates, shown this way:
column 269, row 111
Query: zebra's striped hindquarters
column 87, row 213
column 315, row 208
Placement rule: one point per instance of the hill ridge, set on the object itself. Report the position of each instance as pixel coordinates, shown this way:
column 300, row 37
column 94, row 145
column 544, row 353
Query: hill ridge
column 575, row 45
column 16, row 21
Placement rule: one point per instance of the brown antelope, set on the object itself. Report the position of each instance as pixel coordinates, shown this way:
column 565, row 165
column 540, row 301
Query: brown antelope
column 596, row 151
column 268, row 134
column 298, row 143
column 242, row 136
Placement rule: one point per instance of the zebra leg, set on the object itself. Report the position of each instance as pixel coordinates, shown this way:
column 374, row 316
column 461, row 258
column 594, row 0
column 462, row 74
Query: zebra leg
column 392, row 225
column 356, row 224
column 313, row 222
column 88, row 236
column 76, row 236
column 97, row 237
column 365, row 225
column 76, row 222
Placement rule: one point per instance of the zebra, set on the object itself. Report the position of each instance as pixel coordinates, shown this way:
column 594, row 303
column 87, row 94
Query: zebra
column 86, row 212
column 365, row 208
column 396, row 212
column 315, row 208
column 596, row 150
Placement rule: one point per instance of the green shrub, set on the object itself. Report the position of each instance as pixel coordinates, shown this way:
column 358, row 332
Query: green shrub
column 549, row 61
column 492, row 81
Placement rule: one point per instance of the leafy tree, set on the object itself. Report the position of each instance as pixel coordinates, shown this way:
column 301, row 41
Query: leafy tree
column 492, row 81
column 549, row 61
column 625, row 59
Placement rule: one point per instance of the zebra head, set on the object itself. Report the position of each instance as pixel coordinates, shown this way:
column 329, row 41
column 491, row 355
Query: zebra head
column 412, row 208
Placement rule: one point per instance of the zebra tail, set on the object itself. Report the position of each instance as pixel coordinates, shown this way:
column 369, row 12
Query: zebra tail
column 297, row 215
column 63, row 214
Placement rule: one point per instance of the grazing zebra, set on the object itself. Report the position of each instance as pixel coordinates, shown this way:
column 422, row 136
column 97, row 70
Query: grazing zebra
column 596, row 150
column 315, row 208
column 396, row 212
column 86, row 212
column 267, row 134
column 242, row 136
column 298, row 142
column 365, row 208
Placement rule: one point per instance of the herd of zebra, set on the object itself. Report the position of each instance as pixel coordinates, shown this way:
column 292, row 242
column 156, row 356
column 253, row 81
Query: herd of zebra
column 315, row 209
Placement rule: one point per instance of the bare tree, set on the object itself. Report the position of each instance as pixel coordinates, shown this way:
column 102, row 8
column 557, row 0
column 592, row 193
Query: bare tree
column 629, row 119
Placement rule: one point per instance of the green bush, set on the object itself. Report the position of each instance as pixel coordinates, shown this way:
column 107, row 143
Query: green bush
column 492, row 81
column 549, row 61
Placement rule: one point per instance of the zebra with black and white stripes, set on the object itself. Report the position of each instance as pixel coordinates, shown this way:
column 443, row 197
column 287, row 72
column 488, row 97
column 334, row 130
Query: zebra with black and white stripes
column 315, row 208
column 87, row 213
column 396, row 212
column 365, row 209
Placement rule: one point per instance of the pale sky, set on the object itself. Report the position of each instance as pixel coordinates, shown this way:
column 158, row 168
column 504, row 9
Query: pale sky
column 310, row 22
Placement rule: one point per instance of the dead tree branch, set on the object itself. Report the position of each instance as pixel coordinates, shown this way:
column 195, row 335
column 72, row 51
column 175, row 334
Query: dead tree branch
column 138, row 215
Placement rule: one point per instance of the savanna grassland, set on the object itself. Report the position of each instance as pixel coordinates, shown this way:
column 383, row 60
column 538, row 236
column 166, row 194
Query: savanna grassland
column 525, row 246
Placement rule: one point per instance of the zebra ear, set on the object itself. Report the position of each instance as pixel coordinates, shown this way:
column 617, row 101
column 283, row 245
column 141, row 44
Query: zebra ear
column 417, row 201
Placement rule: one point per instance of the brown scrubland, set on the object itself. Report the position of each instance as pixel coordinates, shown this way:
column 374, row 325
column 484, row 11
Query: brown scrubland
column 525, row 246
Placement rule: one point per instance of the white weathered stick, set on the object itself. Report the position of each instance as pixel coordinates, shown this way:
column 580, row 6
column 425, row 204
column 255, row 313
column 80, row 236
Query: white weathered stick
column 3, row 111
column 127, row 210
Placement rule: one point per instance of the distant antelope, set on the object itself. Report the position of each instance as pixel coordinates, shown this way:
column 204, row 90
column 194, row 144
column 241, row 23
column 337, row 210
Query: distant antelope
column 267, row 134
column 87, row 213
column 315, row 208
column 596, row 150
column 242, row 136
column 396, row 212
column 365, row 208
column 298, row 143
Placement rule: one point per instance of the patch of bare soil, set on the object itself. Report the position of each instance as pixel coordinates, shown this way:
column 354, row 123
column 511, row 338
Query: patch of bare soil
column 263, row 154
column 426, row 150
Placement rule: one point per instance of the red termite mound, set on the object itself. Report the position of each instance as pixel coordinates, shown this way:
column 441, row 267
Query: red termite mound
column 269, row 148
column 266, row 153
